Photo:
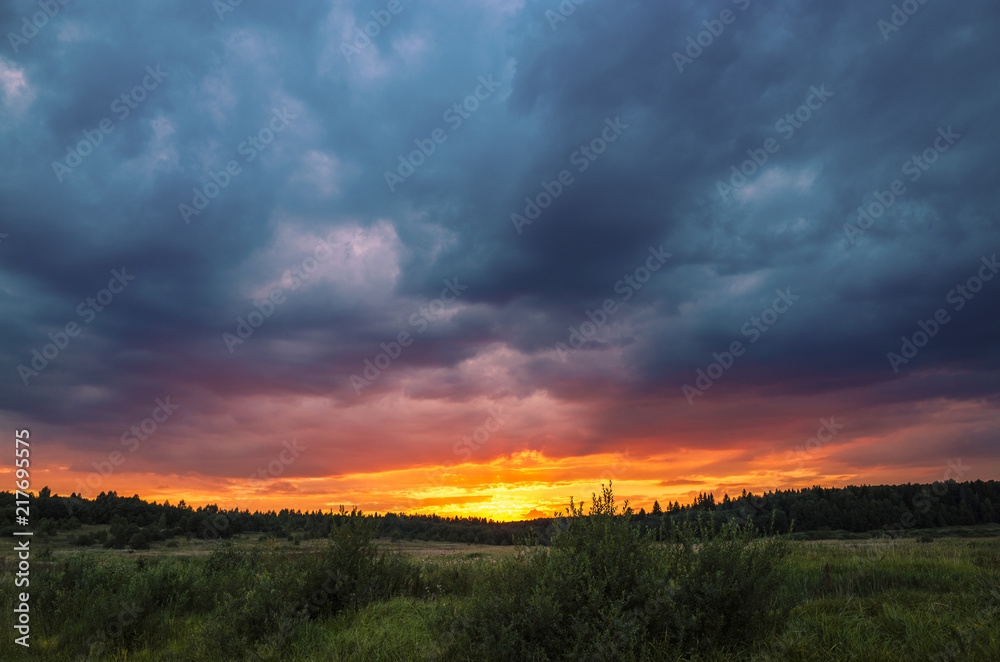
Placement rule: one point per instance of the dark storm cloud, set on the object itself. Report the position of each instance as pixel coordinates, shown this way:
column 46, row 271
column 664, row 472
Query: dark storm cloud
column 350, row 120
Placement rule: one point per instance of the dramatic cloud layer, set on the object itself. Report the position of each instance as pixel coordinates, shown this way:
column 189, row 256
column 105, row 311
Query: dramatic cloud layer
column 479, row 256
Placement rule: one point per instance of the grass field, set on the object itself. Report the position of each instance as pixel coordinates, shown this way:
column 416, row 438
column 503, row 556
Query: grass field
column 879, row 601
column 853, row 600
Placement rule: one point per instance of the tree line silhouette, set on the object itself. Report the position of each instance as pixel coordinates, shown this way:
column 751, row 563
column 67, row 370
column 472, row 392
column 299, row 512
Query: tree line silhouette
column 810, row 512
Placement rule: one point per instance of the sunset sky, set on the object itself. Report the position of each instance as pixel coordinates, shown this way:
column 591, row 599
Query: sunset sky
column 472, row 260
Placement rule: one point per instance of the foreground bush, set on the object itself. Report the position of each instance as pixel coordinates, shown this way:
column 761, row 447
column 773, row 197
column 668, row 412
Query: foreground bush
column 606, row 591
column 236, row 604
column 279, row 594
column 726, row 587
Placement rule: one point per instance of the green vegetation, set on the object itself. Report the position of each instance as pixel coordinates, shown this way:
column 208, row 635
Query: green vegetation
column 819, row 513
column 606, row 588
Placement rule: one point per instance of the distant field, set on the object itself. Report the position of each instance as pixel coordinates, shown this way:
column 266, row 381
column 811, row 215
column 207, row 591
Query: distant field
column 427, row 550
column 61, row 543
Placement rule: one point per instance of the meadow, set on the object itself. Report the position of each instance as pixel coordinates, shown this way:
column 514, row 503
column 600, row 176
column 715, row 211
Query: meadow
column 603, row 590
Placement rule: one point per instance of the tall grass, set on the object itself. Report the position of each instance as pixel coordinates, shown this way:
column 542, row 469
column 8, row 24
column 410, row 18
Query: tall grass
column 237, row 604
column 893, row 601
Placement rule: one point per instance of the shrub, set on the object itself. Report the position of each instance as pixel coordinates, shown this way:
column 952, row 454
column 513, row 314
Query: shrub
column 264, row 596
column 84, row 540
column 726, row 586
column 607, row 591
column 587, row 597
column 138, row 541
column 353, row 572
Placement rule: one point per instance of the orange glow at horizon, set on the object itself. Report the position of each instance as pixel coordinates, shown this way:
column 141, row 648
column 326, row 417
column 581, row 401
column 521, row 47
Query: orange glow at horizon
column 521, row 486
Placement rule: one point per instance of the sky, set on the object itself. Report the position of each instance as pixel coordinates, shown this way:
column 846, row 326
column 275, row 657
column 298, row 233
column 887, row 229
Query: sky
column 477, row 257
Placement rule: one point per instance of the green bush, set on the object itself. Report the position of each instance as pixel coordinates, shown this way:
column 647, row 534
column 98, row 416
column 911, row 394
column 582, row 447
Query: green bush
column 264, row 596
column 590, row 596
column 138, row 541
column 726, row 586
column 607, row 591
column 84, row 540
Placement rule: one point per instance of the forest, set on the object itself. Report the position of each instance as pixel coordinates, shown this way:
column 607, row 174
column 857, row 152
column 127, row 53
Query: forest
column 808, row 513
